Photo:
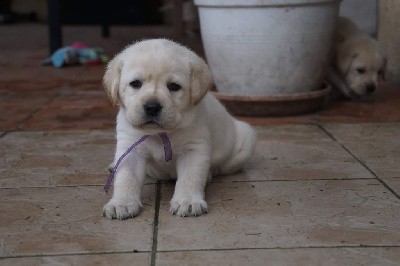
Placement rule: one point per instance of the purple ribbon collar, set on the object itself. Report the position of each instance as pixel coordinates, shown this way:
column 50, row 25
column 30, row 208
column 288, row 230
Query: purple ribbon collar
column 167, row 154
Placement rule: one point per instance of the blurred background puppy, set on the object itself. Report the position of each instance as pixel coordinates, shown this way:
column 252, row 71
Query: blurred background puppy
column 357, row 64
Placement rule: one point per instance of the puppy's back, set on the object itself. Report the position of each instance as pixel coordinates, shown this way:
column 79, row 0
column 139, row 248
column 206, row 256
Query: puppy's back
column 346, row 29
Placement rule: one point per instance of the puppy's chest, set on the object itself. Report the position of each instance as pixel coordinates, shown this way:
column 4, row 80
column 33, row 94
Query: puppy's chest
column 154, row 150
column 157, row 166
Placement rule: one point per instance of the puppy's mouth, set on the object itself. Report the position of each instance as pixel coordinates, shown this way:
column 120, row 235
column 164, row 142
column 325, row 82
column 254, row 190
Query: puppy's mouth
column 150, row 122
column 154, row 126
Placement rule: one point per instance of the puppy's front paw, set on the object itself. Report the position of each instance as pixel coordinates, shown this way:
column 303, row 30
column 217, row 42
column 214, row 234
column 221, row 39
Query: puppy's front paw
column 117, row 209
column 188, row 207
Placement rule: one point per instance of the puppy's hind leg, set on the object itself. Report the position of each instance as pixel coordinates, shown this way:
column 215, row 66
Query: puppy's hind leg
column 245, row 144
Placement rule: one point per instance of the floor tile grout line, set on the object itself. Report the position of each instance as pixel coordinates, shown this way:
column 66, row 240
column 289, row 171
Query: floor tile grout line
column 280, row 248
column 155, row 224
column 217, row 182
column 65, row 186
column 37, row 110
column 360, row 161
column 56, row 95
column 75, row 254
column 196, row 250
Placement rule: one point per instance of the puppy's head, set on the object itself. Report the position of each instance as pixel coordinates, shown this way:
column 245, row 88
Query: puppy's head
column 361, row 61
column 156, row 83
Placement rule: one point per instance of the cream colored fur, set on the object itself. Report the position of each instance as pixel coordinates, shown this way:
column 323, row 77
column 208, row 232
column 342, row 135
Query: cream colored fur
column 205, row 139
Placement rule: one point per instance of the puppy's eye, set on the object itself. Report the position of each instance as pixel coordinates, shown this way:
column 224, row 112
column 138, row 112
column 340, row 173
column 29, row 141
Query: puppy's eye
column 361, row 70
column 173, row 86
column 380, row 72
column 136, row 84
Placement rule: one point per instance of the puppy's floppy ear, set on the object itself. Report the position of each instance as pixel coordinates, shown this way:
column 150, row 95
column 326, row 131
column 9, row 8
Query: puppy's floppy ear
column 201, row 79
column 111, row 79
column 344, row 59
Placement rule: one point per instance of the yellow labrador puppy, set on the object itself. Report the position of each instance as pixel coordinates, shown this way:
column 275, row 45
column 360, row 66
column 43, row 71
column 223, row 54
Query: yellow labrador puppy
column 161, row 86
column 357, row 63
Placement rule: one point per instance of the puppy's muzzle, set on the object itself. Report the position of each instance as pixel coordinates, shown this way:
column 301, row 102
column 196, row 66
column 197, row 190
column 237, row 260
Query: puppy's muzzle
column 152, row 108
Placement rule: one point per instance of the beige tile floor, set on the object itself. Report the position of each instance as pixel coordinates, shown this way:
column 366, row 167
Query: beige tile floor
column 312, row 195
column 316, row 192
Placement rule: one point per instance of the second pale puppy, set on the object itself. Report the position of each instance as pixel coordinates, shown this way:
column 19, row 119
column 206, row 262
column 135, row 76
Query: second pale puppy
column 161, row 86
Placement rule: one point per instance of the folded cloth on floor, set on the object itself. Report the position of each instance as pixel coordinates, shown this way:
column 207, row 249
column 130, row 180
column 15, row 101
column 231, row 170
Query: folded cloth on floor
column 77, row 53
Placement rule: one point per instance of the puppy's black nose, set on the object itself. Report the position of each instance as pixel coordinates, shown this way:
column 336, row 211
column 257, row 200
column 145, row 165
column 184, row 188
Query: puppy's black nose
column 152, row 108
column 371, row 88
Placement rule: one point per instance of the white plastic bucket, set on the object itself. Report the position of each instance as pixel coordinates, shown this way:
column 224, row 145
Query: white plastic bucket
column 267, row 47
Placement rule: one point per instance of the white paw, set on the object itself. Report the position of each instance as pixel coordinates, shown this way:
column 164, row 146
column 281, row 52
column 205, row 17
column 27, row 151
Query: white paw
column 117, row 209
column 188, row 207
